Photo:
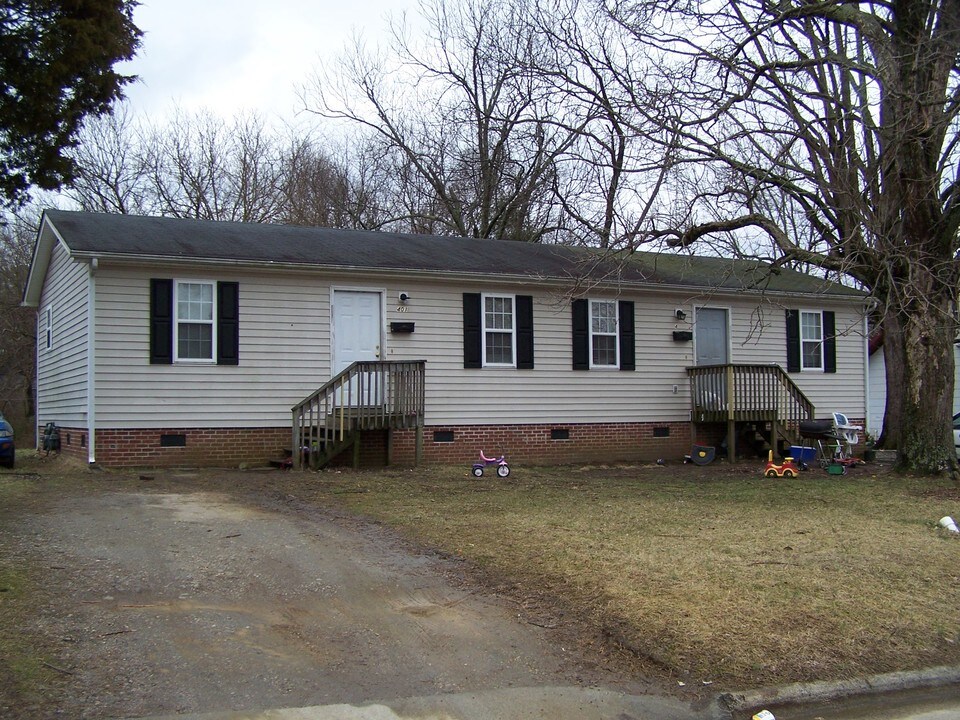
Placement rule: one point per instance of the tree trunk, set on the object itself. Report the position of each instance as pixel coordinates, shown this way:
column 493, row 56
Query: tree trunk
column 921, row 384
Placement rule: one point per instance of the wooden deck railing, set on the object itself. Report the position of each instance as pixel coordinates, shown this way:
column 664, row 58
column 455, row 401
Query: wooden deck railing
column 371, row 395
column 738, row 393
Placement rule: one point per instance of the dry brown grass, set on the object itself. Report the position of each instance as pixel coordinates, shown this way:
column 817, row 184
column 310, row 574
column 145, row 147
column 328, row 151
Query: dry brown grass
column 713, row 573
column 26, row 671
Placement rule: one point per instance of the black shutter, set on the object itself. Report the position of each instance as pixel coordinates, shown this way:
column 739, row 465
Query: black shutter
column 793, row 341
column 580, row 313
column 628, row 352
column 524, row 332
column 228, row 323
column 161, row 322
column 472, row 331
column 829, row 342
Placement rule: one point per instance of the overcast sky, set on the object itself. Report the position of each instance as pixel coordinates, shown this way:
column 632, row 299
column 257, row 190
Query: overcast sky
column 234, row 55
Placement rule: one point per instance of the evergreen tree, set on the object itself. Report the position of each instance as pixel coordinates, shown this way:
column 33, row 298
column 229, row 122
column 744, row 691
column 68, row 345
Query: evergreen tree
column 57, row 62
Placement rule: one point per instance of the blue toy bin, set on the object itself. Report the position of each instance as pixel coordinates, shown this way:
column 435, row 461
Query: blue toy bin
column 803, row 454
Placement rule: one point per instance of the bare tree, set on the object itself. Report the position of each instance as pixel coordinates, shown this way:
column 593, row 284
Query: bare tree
column 17, row 324
column 343, row 184
column 609, row 178
column 832, row 128
column 463, row 117
column 112, row 171
column 202, row 167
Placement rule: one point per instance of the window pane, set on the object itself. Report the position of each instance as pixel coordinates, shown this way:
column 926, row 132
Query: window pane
column 604, row 350
column 498, row 330
column 499, row 313
column 603, row 316
column 194, row 341
column 810, row 326
column 195, row 301
column 500, row 348
column 811, row 340
column 603, row 333
column 812, row 358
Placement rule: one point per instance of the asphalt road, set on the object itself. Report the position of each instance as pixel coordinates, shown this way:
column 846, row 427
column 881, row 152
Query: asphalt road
column 941, row 703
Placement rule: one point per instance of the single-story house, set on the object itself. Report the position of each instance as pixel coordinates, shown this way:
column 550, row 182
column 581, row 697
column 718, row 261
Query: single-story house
column 185, row 342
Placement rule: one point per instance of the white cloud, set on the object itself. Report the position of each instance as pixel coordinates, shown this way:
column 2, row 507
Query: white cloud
column 230, row 56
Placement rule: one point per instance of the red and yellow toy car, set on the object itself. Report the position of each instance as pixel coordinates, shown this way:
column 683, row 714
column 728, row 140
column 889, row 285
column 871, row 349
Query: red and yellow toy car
column 787, row 469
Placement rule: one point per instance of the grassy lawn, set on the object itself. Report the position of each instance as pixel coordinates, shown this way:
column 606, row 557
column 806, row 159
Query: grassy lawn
column 25, row 675
column 711, row 573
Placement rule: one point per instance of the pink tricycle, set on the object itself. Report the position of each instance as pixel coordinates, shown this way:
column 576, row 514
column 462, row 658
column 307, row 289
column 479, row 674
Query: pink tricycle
column 502, row 468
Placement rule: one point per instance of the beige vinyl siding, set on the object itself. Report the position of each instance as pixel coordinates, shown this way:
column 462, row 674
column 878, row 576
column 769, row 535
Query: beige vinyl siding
column 760, row 336
column 285, row 354
column 62, row 369
column 554, row 393
column 878, row 393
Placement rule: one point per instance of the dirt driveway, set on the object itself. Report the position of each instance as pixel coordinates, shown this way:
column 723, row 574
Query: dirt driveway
column 169, row 594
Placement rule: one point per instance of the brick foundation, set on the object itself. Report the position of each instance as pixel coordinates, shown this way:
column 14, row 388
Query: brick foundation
column 546, row 444
column 229, row 447
column 211, row 447
column 73, row 442
column 541, row 443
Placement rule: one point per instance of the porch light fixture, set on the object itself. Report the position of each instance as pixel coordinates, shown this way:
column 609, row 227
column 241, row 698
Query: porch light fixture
column 680, row 314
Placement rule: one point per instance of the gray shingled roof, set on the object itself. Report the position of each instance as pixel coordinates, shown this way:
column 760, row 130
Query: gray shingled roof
column 171, row 238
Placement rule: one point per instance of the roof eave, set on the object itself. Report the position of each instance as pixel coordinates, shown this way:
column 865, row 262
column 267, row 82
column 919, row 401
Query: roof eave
column 47, row 238
column 485, row 277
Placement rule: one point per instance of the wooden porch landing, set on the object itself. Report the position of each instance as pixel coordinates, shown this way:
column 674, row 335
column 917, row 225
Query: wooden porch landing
column 738, row 393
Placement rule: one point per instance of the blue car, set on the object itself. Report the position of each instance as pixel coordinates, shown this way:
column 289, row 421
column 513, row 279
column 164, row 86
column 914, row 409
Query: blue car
column 7, row 448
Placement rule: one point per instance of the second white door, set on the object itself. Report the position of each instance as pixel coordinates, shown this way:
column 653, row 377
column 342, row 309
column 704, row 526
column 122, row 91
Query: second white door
column 357, row 327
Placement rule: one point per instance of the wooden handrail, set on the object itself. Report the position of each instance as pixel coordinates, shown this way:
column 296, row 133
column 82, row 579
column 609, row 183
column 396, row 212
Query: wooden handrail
column 366, row 395
column 735, row 392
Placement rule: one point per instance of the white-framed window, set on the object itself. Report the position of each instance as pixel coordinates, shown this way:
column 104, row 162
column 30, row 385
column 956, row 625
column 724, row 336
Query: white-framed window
column 811, row 340
column 604, row 339
column 195, row 336
column 499, row 330
column 45, row 328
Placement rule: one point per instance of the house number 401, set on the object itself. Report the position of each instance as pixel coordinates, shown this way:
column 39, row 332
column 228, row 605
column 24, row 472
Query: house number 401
column 401, row 308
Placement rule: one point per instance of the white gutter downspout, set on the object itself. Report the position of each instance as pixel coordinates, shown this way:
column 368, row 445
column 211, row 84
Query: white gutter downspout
column 92, row 362
column 866, row 376
column 37, row 434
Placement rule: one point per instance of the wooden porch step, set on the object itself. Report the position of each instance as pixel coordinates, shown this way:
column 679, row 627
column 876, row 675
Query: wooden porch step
column 366, row 395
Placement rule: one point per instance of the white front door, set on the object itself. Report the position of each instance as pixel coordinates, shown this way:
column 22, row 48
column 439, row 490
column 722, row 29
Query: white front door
column 357, row 327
